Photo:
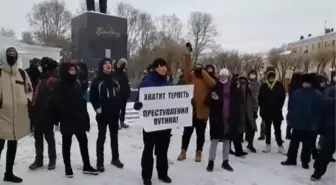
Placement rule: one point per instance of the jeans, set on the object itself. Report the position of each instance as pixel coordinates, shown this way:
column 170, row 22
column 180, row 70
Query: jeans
column 200, row 126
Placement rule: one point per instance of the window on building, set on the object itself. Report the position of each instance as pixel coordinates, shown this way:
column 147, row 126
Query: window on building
column 333, row 43
column 318, row 45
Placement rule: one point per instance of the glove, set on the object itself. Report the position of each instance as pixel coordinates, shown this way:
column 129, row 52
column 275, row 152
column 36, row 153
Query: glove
column 137, row 105
column 99, row 111
column 255, row 115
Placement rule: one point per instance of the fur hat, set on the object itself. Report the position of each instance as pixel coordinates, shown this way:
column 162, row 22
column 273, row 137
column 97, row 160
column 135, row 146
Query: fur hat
column 309, row 78
column 224, row 72
column 159, row 62
column 121, row 62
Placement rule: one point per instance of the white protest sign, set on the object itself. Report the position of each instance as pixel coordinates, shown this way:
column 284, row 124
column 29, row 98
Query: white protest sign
column 166, row 107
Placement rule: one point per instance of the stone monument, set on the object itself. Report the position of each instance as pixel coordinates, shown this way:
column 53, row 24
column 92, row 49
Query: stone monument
column 95, row 35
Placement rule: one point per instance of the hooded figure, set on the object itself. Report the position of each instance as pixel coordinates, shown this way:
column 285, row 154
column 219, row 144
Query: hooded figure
column 211, row 69
column 106, row 99
column 43, row 119
column 203, row 83
column 304, row 116
column 158, row 139
column 271, row 98
column 120, row 67
column 69, row 108
column 15, row 94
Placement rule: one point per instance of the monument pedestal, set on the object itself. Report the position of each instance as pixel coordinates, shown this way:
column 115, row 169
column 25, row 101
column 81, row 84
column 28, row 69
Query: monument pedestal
column 95, row 35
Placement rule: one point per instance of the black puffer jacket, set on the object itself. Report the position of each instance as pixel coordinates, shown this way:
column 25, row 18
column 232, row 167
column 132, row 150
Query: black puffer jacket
column 67, row 104
column 121, row 76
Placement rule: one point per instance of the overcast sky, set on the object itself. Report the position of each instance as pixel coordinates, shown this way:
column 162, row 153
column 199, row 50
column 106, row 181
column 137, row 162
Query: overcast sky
column 247, row 25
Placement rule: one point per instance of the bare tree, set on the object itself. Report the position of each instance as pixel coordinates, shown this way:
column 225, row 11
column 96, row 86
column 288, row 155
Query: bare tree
column 133, row 16
column 82, row 7
column 27, row 37
column 51, row 21
column 281, row 62
column 229, row 60
column 202, row 31
column 169, row 27
column 322, row 58
column 8, row 33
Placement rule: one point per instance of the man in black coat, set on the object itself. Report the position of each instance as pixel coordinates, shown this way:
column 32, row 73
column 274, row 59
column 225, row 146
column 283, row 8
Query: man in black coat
column 271, row 99
column 120, row 67
column 43, row 121
column 105, row 96
column 69, row 107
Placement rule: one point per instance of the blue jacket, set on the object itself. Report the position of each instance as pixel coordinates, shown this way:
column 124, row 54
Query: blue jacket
column 152, row 80
column 305, row 109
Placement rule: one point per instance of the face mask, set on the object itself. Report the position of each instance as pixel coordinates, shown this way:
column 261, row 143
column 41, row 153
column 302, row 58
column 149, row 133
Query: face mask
column 253, row 76
column 223, row 81
column 11, row 60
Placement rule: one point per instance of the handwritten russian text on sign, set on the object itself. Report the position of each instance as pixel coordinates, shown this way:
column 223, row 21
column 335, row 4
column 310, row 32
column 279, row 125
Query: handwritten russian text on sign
column 166, row 107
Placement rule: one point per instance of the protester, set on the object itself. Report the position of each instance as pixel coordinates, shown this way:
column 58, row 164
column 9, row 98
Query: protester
column 272, row 95
column 105, row 97
column 43, row 121
column 14, row 120
column 295, row 83
column 304, row 115
column 202, row 82
column 159, row 139
column 68, row 104
column 218, row 101
column 120, row 67
column 242, row 115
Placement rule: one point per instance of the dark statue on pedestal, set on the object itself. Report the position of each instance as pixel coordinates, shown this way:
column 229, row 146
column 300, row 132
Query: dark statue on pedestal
column 90, row 5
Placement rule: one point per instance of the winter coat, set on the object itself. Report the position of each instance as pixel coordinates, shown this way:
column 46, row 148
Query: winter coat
column 271, row 99
column 202, row 87
column 15, row 93
column 181, row 81
column 305, row 109
column 295, row 83
column 41, row 99
column 105, row 93
column 329, row 110
column 68, row 105
column 123, row 81
column 218, row 127
column 254, row 86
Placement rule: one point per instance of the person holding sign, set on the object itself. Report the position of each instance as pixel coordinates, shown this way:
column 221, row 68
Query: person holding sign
column 105, row 97
column 158, row 139
column 202, row 82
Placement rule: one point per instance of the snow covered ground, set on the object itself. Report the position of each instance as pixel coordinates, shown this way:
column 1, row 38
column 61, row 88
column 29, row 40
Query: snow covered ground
column 256, row 169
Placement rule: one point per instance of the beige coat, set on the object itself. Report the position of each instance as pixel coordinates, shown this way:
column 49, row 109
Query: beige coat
column 14, row 95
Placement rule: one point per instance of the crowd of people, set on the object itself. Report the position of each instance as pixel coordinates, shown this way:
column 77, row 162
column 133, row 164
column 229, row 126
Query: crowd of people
column 49, row 95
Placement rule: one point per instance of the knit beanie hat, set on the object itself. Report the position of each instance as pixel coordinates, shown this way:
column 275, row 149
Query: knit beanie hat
column 224, row 72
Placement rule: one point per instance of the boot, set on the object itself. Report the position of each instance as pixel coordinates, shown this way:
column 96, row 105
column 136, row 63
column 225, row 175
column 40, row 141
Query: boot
column 198, row 156
column 38, row 163
column 68, row 172
column 242, row 154
column 100, row 163
column 210, row 166
column 124, row 125
column 182, row 156
column 117, row 163
column 315, row 177
column 90, row 171
column 261, row 138
column 305, row 165
column 282, row 150
column 251, row 148
column 147, row 182
column 165, row 179
column 52, row 164
column 10, row 177
column 226, row 166
column 267, row 148
column 288, row 163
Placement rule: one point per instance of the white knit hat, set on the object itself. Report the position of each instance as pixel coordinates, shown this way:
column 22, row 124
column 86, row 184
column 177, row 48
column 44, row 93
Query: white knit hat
column 224, row 72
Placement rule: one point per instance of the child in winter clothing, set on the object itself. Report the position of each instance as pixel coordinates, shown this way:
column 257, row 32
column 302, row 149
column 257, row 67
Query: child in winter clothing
column 304, row 115
column 218, row 101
